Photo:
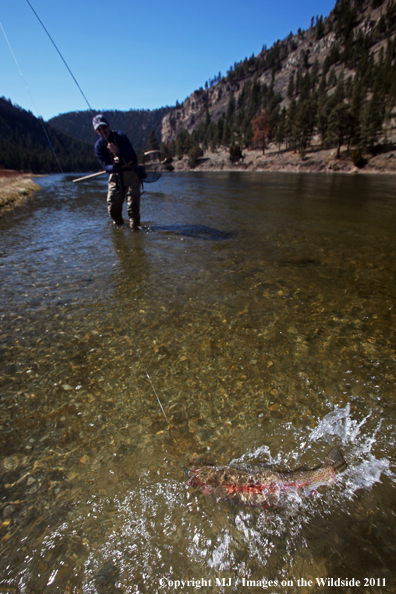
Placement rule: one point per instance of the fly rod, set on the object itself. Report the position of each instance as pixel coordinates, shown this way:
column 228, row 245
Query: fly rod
column 78, row 179
column 154, row 175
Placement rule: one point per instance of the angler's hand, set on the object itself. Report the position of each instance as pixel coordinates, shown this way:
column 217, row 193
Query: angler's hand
column 113, row 148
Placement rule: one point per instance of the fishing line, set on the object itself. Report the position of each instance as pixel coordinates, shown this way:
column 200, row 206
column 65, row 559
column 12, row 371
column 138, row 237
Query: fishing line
column 148, row 377
column 30, row 95
column 63, row 59
column 92, row 111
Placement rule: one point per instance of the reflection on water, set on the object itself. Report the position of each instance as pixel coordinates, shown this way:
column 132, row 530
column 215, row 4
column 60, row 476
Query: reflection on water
column 262, row 308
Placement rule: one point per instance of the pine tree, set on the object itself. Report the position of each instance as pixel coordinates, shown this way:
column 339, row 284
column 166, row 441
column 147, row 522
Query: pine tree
column 372, row 119
column 152, row 144
column 290, row 88
column 320, row 30
column 290, row 124
column 281, row 129
column 339, row 126
column 226, row 139
column 261, row 130
column 220, row 129
column 356, row 107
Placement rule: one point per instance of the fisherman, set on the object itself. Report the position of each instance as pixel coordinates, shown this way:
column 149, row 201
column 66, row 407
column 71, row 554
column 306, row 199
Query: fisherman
column 117, row 156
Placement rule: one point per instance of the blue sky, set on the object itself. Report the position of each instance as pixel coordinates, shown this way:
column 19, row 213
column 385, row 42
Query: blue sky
column 129, row 54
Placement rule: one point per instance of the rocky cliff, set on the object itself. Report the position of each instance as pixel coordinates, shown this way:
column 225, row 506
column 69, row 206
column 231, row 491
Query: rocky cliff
column 297, row 53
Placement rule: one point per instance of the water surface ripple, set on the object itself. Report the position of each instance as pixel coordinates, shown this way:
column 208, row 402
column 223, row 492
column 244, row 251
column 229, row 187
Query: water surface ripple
column 262, row 307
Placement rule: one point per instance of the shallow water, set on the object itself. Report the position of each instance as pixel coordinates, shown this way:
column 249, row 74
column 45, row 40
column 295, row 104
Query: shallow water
column 259, row 309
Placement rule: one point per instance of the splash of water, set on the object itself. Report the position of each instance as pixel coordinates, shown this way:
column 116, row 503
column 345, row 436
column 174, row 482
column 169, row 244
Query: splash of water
column 357, row 438
column 338, row 423
column 245, row 542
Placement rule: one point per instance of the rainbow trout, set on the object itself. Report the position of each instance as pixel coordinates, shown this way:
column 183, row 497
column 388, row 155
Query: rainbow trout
column 258, row 485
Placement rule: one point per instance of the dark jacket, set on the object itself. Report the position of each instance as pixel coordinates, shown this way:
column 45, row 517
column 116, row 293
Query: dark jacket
column 125, row 151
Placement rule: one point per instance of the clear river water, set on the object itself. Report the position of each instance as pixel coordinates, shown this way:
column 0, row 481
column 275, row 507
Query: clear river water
column 259, row 310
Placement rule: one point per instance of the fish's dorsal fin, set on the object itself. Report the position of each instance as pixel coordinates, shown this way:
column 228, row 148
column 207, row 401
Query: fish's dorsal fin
column 302, row 468
column 335, row 459
column 250, row 468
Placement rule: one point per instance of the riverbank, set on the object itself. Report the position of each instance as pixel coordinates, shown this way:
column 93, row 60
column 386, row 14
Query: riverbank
column 15, row 188
column 274, row 160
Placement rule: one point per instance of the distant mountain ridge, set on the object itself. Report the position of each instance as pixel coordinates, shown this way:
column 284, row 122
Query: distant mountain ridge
column 24, row 144
column 136, row 124
column 330, row 85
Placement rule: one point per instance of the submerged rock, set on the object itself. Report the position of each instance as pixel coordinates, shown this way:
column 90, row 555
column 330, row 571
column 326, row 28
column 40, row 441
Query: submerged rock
column 105, row 580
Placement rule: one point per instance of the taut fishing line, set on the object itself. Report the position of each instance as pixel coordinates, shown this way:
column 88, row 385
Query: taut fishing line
column 62, row 58
column 148, row 377
column 153, row 166
column 154, row 174
column 30, row 95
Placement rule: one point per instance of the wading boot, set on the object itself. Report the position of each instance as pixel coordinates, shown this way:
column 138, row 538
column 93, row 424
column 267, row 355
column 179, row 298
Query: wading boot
column 134, row 224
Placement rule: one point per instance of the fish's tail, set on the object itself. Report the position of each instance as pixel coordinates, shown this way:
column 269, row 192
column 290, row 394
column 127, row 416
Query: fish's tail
column 336, row 460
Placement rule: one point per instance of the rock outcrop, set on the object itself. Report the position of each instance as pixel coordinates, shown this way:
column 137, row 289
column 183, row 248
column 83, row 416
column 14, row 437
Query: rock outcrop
column 297, row 54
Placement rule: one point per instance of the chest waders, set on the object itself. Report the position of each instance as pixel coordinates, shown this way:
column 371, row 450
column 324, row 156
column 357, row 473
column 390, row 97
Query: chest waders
column 125, row 185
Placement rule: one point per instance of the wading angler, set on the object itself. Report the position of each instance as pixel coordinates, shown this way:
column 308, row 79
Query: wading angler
column 118, row 158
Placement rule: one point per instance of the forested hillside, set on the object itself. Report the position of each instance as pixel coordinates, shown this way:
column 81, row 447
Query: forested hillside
column 332, row 85
column 137, row 124
column 25, row 146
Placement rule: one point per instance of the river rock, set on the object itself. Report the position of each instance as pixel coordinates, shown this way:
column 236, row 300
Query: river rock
column 8, row 511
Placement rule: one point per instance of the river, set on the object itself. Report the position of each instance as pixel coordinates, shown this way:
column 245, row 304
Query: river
column 258, row 309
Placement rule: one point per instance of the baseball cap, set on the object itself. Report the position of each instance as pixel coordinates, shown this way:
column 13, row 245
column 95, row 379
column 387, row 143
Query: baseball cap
column 99, row 120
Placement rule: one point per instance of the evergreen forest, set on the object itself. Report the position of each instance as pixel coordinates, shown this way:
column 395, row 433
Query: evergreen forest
column 347, row 99
column 25, row 144
column 331, row 86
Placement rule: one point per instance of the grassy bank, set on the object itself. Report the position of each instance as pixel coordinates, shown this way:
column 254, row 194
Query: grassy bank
column 15, row 188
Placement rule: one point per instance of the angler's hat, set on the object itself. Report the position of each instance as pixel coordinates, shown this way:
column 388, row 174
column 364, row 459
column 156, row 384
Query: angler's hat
column 99, row 120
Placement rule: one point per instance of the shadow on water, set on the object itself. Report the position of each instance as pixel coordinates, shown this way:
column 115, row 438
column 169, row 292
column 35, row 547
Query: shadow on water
column 301, row 263
column 195, row 231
